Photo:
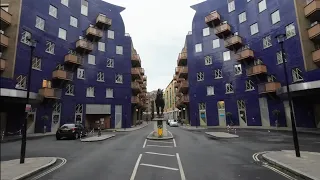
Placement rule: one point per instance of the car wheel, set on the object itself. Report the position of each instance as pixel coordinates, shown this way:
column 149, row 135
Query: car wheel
column 76, row 136
column 58, row 137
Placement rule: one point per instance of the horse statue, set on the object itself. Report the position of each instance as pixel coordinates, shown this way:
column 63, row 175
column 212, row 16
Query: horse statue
column 159, row 103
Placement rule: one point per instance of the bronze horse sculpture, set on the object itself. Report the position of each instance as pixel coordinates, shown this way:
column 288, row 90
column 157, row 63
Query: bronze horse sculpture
column 159, row 103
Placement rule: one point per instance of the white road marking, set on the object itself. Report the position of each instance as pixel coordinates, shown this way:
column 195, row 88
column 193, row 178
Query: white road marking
column 160, row 154
column 160, row 146
column 144, row 144
column 183, row 177
column 163, row 167
column 160, row 141
column 64, row 161
column 170, row 133
column 279, row 172
column 136, row 168
column 174, row 143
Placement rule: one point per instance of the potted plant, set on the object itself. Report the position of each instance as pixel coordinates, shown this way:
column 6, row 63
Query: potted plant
column 276, row 113
column 45, row 119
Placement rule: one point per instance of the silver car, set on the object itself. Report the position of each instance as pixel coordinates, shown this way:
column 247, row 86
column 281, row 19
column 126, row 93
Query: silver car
column 173, row 123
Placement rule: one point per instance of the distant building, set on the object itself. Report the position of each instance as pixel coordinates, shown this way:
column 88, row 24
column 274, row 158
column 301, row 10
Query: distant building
column 170, row 109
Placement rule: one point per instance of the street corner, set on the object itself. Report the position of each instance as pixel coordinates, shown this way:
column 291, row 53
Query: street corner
column 221, row 135
column 12, row 169
column 98, row 138
column 155, row 136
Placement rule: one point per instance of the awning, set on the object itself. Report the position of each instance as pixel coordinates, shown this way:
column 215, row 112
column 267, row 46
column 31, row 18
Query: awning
column 301, row 89
column 4, row 92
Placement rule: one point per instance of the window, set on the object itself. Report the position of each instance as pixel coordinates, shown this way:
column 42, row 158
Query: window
column 25, row 37
column 80, row 73
column 100, row 76
column 275, row 17
column 69, row 90
column 248, row 0
column 91, row 59
column 237, row 69
column 119, row 50
column 110, row 34
column 62, row 34
column 226, row 55
column 109, row 93
column 280, row 58
column 36, row 63
column 267, row 42
column 65, row 2
column 53, row 11
column 262, row 5
column 308, row 1
column 207, row 60
column 202, row 106
column 5, row 7
column 290, row 31
column 218, row 74
column 46, row 84
column 119, row 78
column 79, row 108
column 254, row 28
column 229, row 88
column 297, row 75
column 84, row 7
column 249, row 85
column 231, row 5
column 50, row 47
column 73, row 21
column 21, row 82
column 200, row 76
column 40, row 23
column 242, row 17
column 271, row 78
column 210, row 90
column 206, row 31
column 215, row 43
column 110, row 63
column 198, row 47
column 101, row 46
column 90, row 91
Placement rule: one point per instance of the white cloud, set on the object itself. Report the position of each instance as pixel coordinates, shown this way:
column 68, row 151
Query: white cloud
column 158, row 30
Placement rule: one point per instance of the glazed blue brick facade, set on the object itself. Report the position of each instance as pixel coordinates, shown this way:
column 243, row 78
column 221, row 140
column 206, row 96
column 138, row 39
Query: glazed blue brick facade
column 122, row 63
column 197, row 89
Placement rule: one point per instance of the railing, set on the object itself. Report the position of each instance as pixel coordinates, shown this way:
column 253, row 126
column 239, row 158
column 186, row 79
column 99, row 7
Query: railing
column 222, row 28
column 4, row 40
column 183, row 56
column 316, row 57
column 244, row 54
column 311, row 8
column 50, row 93
column 94, row 31
column 2, row 64
column 62, row 74
column 73, row 59
column 135, row 85
column 314, row 31
column 233, row 40
column 257, row 69
column 84, row 44
column 212, row 16
column 5, row 16
column 103, row 19
column 268, row 87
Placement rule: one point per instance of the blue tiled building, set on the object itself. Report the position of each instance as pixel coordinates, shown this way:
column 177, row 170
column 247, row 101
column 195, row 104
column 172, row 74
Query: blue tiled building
column 235, row 66
column 81, row 68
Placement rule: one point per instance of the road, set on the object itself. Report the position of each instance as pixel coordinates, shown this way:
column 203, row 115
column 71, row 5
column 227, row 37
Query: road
column 191, row 155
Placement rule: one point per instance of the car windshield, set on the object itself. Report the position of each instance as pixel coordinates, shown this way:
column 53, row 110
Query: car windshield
column 67, row 126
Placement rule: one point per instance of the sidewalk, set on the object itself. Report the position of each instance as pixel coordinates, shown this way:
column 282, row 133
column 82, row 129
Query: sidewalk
column 97, row 138
column 29, row 136
column 144, row 124
column 13, row 170
column 307, row 166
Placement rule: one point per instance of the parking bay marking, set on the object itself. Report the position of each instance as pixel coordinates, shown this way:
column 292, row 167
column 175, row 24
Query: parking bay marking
column 160, row 146
column 136, row 168
column 160, row 141
column 154, row 153
column 163, row 167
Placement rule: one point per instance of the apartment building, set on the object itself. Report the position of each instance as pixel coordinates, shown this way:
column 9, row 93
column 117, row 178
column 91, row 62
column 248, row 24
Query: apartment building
column 235, row 65
column 84, row 68
column 170, row 110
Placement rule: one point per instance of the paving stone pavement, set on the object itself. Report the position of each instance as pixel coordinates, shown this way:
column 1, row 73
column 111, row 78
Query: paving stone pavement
column 221, row 135
column 97, row 138
column 13, row 170
column 306, row 166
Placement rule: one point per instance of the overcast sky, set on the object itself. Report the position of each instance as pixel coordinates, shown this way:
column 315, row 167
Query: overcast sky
column 158, row 29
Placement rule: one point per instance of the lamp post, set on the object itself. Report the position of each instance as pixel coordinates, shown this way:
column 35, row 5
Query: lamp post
column 281, row 38
column 195, row 113
column 33, row 44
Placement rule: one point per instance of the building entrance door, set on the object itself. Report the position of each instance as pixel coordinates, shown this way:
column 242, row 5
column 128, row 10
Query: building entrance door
column 31, row 121
column 118, row 116
column 242, row 112
column 56, row 115
column 221, row 113
column 202, row 114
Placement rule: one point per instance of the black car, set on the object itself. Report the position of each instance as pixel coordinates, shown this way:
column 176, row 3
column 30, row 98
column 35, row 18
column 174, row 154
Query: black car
column 73, row 131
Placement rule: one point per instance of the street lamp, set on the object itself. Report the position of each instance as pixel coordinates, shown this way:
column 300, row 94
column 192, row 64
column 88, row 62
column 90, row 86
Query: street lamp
column 195, row 113
column 32, row 45
column 281, row 38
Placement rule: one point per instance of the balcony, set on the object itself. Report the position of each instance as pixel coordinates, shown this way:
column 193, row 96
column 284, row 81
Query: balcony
column 180, row 79
column 312, row 10
column 135, row 100
column 84, row 46
column 135, row 73
column 62, row 74
column 177, row 84
column 213, row 19
column 316, row 57
column 184, row 99
column 94, row 33
column 245, row 55
column 269, row 87
column 4, row 40
column 257, row 70
column 234, row 42
column 135, row 59
column 50, row 93
column 2, row 64
column 135, row 86
column 5, row 18
column 142, row 71
column 182, row 59
column 183, row 72
column 314, row 32
column 184, row 86
column 175, row 78
column 103, row 22
column 144, row 78
column 73, row 59
column 223, row 30
column 177, row 70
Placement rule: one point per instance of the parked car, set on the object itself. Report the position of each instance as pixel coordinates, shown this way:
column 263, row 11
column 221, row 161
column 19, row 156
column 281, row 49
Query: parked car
column 73, row 131
column 168, row 121
column 173, row 123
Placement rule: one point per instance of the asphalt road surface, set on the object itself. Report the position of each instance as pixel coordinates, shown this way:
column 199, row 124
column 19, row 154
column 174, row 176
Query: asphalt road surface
column 191, row 156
